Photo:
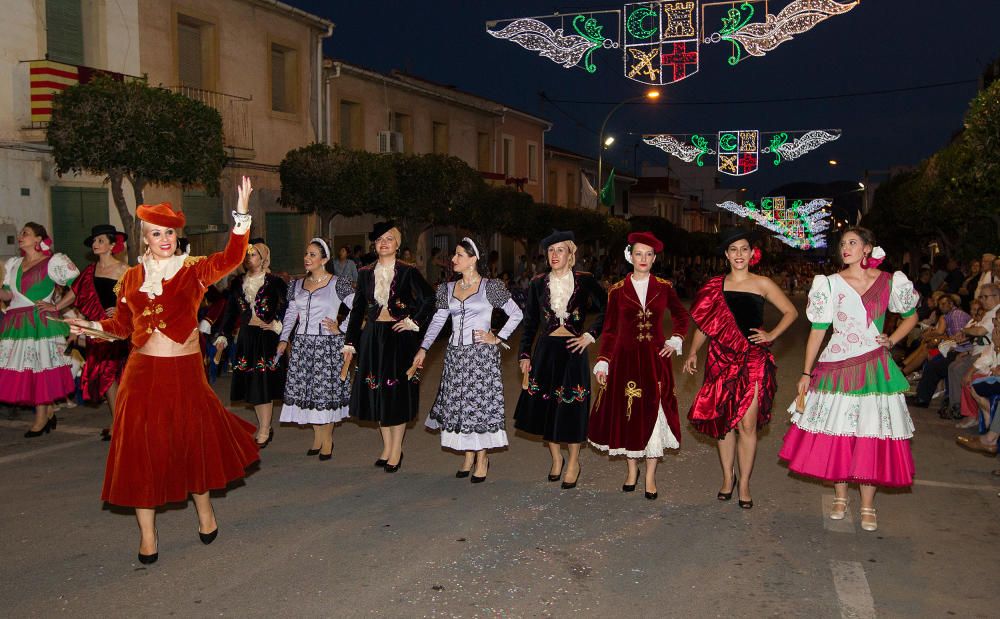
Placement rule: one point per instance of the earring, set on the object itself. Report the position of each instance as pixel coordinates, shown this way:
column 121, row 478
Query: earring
column 864, row 262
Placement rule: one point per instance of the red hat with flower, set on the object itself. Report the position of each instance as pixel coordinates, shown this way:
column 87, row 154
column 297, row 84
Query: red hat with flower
column 161, row 214
column 646, row 238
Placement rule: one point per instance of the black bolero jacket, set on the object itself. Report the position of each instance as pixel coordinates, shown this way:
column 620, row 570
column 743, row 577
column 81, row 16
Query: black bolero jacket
column 268, row 305
column 410, row 296
column 587, row 295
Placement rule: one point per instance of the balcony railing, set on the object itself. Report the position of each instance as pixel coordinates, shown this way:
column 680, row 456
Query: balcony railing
column 237, row 124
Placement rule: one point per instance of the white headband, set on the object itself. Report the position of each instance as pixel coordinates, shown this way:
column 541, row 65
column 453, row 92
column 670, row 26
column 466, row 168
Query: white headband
column 475, row 249
column 322, row 244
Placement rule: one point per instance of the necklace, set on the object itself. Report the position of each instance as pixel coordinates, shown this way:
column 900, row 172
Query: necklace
column 464, row 286
column 319, row 280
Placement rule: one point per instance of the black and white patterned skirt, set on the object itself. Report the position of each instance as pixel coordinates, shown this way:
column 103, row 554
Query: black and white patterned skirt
column 314, row 393
column 469, row 408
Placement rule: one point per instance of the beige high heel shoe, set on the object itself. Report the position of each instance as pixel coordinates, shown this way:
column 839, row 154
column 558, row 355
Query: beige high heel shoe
column 868, row 525
column 838, row 514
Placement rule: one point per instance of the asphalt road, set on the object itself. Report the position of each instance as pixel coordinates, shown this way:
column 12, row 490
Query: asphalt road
column 305, row 538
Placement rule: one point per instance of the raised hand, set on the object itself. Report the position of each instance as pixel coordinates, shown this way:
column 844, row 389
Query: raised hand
column 243, row 191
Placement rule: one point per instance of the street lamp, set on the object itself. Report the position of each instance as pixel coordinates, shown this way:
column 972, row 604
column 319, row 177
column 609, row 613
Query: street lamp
column 608, row 141
column 651, row 96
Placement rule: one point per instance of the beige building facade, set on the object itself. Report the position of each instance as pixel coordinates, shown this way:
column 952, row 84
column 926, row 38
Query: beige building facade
column 259, row 63
column 395, row 112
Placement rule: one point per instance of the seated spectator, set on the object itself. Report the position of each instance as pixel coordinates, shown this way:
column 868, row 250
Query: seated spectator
column 987, row 387
column 950, row 326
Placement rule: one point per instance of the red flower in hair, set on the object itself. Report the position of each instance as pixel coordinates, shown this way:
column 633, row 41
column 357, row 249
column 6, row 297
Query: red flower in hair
column 755, row 256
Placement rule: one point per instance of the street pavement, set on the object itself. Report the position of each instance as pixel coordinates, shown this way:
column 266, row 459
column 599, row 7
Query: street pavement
column 304, row 538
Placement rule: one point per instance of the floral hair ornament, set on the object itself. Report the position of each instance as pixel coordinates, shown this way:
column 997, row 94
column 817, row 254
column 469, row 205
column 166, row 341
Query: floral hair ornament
column 475, row 249
column 755, row 256
column 119, row 245
column 45, row 246
column 628, row 254
column 872, row 262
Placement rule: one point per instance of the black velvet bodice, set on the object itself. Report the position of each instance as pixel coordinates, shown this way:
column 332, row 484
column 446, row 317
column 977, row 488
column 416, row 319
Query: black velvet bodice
column 105, row 287
column 747, row 308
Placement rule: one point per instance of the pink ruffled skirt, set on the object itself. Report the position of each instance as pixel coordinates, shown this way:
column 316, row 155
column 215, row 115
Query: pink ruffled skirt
column 866, row 460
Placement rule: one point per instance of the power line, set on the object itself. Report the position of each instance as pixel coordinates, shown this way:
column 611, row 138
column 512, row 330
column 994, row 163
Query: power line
column 845, row 95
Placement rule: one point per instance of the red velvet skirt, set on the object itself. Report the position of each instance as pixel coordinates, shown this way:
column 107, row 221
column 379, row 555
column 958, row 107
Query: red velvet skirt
column 171, row 435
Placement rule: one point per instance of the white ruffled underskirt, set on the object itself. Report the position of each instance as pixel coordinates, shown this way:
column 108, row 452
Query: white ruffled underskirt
column 876, row 415
column 291, row 413
column 471, row 441
column 659, row 441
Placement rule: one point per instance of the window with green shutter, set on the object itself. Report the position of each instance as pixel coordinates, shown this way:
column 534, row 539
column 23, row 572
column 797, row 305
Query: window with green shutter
column 64, row 31
column 286, row 238
column 202, row 213
column 74, row 211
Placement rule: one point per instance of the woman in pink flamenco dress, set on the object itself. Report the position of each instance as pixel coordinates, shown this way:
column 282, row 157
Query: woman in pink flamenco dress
column 853, row 426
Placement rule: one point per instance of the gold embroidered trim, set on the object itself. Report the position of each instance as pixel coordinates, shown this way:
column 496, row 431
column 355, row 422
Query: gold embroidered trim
column 631, row 391
column 193, row 260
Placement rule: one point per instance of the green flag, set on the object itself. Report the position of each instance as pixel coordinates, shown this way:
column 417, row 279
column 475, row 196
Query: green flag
column 608, row 191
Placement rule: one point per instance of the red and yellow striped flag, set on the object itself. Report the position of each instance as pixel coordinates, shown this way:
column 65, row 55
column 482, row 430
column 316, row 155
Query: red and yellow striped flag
column 47, row 80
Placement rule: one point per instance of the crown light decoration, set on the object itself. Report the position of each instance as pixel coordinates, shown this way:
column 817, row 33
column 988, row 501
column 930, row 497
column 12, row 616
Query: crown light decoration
column 738, row 152
column 660, row 42
column 801, row 224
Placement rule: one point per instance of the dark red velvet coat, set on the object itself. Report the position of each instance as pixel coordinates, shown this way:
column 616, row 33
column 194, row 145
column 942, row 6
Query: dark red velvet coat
column 734, row 367
column 630, row 343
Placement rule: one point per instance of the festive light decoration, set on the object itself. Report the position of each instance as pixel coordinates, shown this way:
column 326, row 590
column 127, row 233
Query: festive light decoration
column 811, row 140
column 738, row 152
column 567, row 50
column 661, row 41
column 671, row 145
column 800, row 225
column 762, row 37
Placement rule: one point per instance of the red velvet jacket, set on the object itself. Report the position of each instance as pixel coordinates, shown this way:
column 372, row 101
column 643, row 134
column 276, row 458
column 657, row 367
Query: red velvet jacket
column 175, row 312
column 627, row 324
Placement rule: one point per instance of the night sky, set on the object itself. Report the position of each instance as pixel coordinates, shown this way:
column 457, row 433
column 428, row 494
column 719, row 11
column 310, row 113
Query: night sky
column 880, row 45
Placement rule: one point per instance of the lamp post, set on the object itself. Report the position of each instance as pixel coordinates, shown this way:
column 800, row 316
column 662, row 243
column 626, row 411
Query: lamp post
column 652, row 95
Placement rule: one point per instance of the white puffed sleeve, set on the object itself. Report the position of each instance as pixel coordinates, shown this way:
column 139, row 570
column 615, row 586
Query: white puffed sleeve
column 62, row 270
column 819, row 306
column 9, row 267
column 903, row 298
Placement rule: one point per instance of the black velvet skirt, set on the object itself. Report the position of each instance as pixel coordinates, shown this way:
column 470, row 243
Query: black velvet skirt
column 381, row 391
column 556, row 404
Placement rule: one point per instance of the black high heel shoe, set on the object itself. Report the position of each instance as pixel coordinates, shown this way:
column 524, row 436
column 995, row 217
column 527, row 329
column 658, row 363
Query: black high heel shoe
column 208, row 538
column 54, row 421
column 628, row 487
column 150, row 559
column 479, row 480
column 725, row 496
column 49, row 426
column 745, row 504
column 312, row 452
column 570, row 485
column 392, row 468
column 557, row 476
column 270, row 437
column 325, row 457
column 460, row 474
column 652, row 495
column 381, row 462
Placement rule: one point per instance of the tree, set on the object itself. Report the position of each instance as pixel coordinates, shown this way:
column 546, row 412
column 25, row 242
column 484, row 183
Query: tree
column 127, row 130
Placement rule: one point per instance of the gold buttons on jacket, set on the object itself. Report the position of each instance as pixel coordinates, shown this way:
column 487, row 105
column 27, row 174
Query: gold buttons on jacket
column 644, row 325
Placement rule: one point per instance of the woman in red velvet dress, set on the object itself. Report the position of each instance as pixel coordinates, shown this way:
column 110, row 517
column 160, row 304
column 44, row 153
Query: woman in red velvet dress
column 739, row 368
column 636, row 410
column 171, row 435
column 95, row 299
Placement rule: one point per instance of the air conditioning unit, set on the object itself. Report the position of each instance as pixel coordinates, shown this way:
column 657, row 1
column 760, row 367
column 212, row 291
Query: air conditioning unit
column 390, row 142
